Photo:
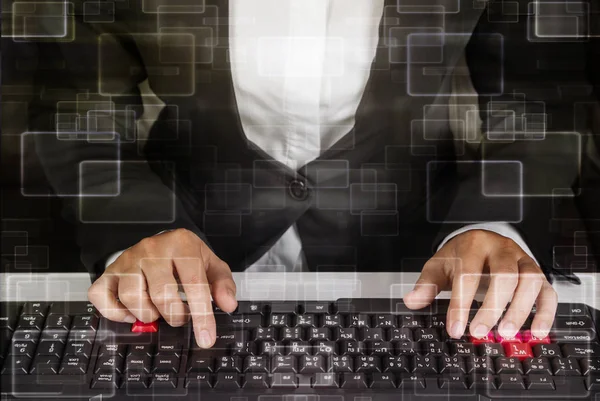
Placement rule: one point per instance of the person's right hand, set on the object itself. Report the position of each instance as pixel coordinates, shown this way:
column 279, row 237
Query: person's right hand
column 142, row 283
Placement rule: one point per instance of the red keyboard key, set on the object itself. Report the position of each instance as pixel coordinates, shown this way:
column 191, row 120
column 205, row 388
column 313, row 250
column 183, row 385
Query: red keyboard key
column 483, row 340
column 518, row 350
column 533, row 340
column 516, row 339
column 141, row 327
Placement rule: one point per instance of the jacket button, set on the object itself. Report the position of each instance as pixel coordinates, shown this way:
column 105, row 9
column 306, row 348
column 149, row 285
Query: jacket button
column 298, row 190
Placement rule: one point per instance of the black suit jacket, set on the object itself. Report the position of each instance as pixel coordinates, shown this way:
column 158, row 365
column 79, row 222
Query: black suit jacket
column 381, row 198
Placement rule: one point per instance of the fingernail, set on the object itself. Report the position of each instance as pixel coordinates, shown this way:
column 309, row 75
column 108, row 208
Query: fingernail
column 508, row 329
column 542, row 330
column 457, row 330
column 204, row 339
column 129, row 319
column 481, row 330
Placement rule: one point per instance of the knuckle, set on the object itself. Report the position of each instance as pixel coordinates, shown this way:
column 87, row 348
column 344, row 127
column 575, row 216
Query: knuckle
column 184, row 236
column 148, row 244
column 475, row 237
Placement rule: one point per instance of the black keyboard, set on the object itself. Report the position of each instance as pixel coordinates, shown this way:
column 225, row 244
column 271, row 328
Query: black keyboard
column 319, row 351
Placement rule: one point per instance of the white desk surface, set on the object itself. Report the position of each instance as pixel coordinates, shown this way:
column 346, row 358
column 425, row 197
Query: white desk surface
column 275, row 286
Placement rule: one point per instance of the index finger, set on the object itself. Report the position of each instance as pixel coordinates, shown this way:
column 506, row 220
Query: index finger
column 192, row 275
column 467, row 273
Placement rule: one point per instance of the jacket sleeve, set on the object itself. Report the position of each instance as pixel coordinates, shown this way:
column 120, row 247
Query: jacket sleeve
column 533, row 105
column 83, row 126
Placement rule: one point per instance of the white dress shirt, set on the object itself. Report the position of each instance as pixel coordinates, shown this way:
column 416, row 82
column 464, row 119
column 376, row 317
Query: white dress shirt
column 299, row 70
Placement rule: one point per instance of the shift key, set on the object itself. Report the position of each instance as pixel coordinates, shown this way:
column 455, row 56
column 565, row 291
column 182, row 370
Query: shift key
column 234, row 320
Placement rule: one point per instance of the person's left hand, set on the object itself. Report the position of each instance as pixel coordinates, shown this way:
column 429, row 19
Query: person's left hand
column 459, row 265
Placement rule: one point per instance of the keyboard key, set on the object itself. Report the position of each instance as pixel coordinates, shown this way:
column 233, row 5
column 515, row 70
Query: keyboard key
column 490, row 350
column 85, row 322
column 546, row 350
column 9, row 315
column 82, row 335
column 271, row 348
column 256, row 380
column 198, row 380
column 380, row 348
column 280, row 320
column 539, row 381
column 35, row 308
column 452, row 365
column 74, row 365
column 113, row 349
column 430, row 335
column 23, row 348
column 247, row 307
column 54, row 348
column 249, row 321
column 284, row 380
column 109, row 363
column 317, row 308
column 479, row 365
column 581, row 350
column 532, row 340
column 484, row 382
column 228, row 364
column 306, row 320
column 453, row 382
column 16, row 365
column 200, row 362
column 319, row 333
column 345, row 334
column 353, row 381
column 367, row 364
column 566, row 367
column 333, row 321
column 410, row 321
column 58, row 322
column 138, row 362
column 537, row 365
column 371, row 334
column 312, row 364
column 45, row 365
column 508, row 365
column 412, row 382
column 325, row 380
column 106, row 381
column 518, row 350
column 339, row 364
column 489, row 338
column 518, row 338
column 284, row 307
column 31, row 322
column 590, row 366
column 435, row 348
column 353, row 348
column 462, row 349
column 292, row 333
column 508, row 381
column 396, row 364
column 227, row 380
column 382, row 381
column 573, row 336
column 406, row 348
column 140, row 327
column 55, row 335
column 256, row 364
column 358, row 320
column 283, row 364
column 573, row 322
column 136, row 380
column 166, row 363
column 424, row 365
column 163, row 380
column 168, row 347
column 384, row 321
column 140, row 349
column 573, row 310
column 401, row 334
column 79, row 349
column 264, row 334
column 592, row 383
